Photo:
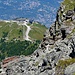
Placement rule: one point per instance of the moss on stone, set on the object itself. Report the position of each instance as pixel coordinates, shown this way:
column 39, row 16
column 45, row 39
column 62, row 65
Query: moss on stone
column 62, row 64
column 36, row 64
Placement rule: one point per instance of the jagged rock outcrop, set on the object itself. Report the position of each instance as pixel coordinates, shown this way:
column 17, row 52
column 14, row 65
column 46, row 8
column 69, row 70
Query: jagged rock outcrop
column 53, row 57
column 43, row 61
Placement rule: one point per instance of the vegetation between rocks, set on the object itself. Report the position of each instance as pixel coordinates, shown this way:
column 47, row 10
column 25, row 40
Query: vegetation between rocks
column 62, row 64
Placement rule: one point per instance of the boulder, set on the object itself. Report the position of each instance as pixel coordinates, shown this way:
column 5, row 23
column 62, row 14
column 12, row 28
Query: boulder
column 70, row 70
column 69, row 14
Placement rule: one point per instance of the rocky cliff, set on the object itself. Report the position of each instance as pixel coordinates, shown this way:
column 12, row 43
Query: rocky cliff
column 55, row 55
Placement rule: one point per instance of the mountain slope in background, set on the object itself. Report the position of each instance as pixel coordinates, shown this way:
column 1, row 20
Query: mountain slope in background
column 19, row 37
column 40, row 10
column 21, row 31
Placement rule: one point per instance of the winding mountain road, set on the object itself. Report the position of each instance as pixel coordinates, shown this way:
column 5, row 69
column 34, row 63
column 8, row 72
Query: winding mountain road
column 27, row 31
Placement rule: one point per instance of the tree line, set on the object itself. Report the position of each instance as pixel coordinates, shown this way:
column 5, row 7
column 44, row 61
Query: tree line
column 16, row 48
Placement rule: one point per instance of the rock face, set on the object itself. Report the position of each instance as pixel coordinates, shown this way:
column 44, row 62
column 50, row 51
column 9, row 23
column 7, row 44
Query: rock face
column 45, row 59
column 69, row 14
column 70, row 70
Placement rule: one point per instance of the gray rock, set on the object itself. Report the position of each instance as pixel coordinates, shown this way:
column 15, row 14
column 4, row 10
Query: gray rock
column 70, row 70
column 43, row 73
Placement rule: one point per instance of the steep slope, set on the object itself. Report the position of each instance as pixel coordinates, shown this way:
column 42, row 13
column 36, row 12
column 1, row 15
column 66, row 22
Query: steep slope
column 17, row 38
column 21, row 31
column 37, row 31
column 54, row 56
column 69, row 4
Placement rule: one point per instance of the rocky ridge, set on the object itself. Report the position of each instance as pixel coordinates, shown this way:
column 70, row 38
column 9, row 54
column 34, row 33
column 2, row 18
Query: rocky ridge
column 55, row 55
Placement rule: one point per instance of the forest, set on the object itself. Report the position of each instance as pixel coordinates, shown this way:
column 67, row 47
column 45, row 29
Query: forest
column 16, row 48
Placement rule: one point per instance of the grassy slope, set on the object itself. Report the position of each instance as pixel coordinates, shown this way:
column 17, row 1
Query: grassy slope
column 12, row 29
column 15, row 31
column 62, row 64
column 69, row 4
column 37, row 31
